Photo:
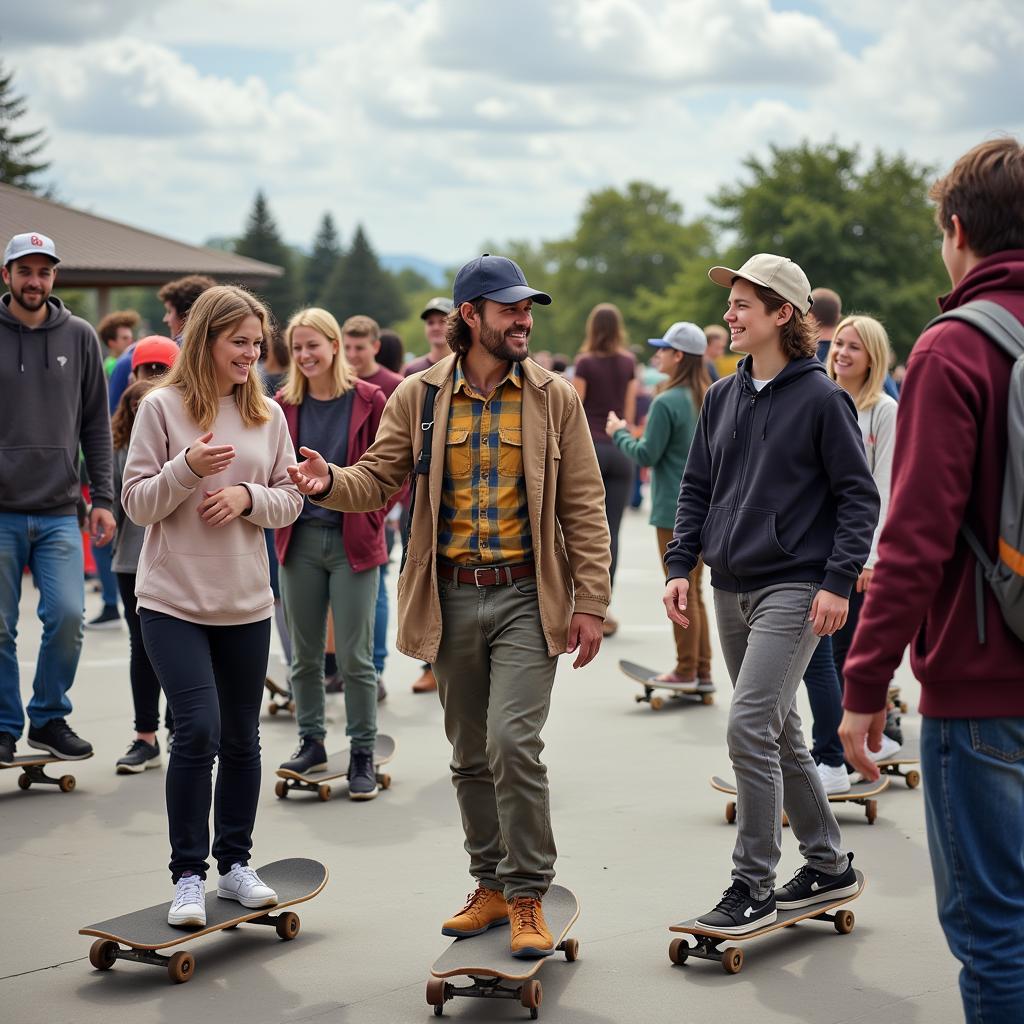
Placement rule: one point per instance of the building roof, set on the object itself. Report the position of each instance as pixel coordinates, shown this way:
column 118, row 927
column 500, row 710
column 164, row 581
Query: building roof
column 96, row 252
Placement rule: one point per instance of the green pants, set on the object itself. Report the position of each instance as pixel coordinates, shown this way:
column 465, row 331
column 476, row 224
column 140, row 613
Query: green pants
column 494, row 678
column 316, row 574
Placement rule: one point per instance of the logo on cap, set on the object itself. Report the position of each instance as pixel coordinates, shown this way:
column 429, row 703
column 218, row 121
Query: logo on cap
column 36, row 240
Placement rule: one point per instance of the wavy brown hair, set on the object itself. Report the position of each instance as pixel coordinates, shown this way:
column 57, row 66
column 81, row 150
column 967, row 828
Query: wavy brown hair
column 605, row 332
column 123, row 420
column 690, row 372
column 799, row 337
column 456, row 330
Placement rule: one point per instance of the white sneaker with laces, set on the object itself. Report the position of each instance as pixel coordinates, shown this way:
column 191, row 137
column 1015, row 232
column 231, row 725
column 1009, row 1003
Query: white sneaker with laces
column 889, row 749
column 189, row 906
column 243, row 884
column 835, row 780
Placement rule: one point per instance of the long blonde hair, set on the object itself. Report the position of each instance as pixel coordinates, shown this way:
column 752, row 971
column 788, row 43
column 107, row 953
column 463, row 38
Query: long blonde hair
column 876, row 343
column 218, row 309
column 296, row 387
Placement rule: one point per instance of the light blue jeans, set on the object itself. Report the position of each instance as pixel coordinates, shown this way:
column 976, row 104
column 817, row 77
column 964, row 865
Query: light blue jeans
column 51, row 547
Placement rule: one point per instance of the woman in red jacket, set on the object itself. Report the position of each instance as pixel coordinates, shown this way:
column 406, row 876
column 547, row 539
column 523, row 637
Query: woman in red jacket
column 330, row 559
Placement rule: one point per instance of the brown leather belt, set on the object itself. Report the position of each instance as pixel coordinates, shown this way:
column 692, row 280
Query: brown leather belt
column 486, row 575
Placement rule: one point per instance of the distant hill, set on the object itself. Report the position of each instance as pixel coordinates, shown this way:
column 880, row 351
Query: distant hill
column 433, row 272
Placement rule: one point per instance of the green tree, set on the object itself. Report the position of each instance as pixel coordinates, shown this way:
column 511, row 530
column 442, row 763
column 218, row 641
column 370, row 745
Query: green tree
column 18, row 149
column 262, row 241
column 323, row 260
column 359, row 284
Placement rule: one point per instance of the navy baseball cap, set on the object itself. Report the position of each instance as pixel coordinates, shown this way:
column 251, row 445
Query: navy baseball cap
column 497, row 278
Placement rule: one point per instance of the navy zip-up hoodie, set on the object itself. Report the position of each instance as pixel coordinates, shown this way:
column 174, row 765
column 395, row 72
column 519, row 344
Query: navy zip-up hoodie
column 777, row 487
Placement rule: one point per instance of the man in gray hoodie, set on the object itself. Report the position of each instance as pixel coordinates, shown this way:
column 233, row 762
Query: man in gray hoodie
column 54, row 402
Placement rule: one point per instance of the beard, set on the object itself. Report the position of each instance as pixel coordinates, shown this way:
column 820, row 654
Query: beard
column 32, row 303
column 499, row 346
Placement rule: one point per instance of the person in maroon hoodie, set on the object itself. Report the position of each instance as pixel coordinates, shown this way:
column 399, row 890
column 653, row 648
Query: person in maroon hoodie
column 951, row 447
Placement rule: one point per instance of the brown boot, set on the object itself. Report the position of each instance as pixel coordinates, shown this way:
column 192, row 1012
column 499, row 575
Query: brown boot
column 426, row 682
column 530, row 935
column 610, row 626
column 485, row 908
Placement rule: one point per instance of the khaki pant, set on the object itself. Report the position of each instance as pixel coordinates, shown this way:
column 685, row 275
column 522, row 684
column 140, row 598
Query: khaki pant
column 693, row 645
column 494, row 678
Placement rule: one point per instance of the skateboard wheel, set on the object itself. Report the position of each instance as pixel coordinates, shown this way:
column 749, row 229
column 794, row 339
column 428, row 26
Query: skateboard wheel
column 730, row 811
column 732, row 960
column 24, row 782
column 103, row 954
column 844, row 922
column 288, row 925
column 66, row 783
column 678, row 951
column 180, row 967
column 707, row 698
column 290, row 707
column 436, row 995
column 323, row 791
column 281, row 789
column 384, row 781
column 531, row 996
column 272, row 708
column 657, row 703
column 571, row 948
column 871, row 811
column 913, row 779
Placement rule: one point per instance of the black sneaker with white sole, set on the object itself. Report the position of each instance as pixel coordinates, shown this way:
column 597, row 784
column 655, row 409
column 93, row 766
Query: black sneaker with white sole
column 8, row 741
column 310, row 757
column 737, row 913
column 140, row 756
column 59, row 739
column 362, row 779
column 809, row 886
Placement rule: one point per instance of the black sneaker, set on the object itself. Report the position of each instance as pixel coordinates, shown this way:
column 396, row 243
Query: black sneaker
column 382, row 690
column 60, row 740
column 310, row 757
column 362, row 779
column 893, row 727
column 109, row 618
column 809, row 886
column 140, row 756
column 7, row 743
column 170, row 741
column 737, row 913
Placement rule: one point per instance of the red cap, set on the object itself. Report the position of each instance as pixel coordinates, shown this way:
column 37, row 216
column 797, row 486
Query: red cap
column 154, row 349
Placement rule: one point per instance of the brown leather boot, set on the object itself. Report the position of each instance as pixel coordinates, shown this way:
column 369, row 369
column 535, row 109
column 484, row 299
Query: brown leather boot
column 426, row 682
column 485, row 908
column 530, row 935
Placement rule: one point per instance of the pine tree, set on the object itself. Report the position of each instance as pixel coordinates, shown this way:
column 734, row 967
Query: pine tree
column 262, row 241
column 360, row 284
column 18, row 150
column 322, row 261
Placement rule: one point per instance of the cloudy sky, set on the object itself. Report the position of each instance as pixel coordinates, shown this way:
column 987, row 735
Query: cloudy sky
column 439, row 123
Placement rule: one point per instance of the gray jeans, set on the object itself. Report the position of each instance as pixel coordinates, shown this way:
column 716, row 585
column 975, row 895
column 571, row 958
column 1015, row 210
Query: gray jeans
column 767, row 641
column 494, row 678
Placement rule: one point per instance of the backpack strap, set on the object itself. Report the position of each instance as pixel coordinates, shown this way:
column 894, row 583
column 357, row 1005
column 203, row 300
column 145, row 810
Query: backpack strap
column 423, row 462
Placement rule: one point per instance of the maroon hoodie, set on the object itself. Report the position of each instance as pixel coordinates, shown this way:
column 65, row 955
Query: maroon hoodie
column 951, row 441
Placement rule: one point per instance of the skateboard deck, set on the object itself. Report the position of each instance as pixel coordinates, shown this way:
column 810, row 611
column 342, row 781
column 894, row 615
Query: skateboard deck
column 709, row 941
column 280, row 698
column 32, row 770
column 695, row 693
column 486, row 960
column 907, row 754
column 859, row 793
column 337, row 768
column 145, row 932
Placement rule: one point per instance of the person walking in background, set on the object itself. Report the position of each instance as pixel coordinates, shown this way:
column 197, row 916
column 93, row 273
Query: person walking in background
column 605, row 380
column 55, row 402
column 330, row 562
column 274, row 364
column 391, row 354
column 117, row 333
column 718, row 341
column 949, row 467
column 152, row 357
column 664, row 446
column 206, row 473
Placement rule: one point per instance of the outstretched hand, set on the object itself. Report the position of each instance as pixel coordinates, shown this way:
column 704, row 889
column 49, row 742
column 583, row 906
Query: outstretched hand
column 313, row 477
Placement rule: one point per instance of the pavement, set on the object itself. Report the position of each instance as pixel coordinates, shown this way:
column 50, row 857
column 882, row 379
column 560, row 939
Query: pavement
column 642, row 839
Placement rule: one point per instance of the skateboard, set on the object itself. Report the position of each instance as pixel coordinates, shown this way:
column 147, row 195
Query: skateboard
column 698, row 693
column 147, row 931
column 709, row 941
column 907, row 754
column 32, row 770
column 337, row 768
column 485, row 959
column 280, row 698
column 859, row 793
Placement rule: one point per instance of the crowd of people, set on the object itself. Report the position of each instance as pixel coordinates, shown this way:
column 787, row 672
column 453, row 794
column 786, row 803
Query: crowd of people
column 240, row 475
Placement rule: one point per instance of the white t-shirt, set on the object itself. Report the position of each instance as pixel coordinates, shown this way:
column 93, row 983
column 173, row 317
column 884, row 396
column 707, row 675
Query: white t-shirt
column 759, row 384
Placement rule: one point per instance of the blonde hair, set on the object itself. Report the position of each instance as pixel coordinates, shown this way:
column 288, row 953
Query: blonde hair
column 296, row 387
column 876, row 343
column 219, row 309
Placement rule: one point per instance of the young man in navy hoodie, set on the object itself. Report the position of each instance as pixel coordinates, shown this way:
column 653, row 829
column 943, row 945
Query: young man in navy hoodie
column 778, row 498
column 948, row 466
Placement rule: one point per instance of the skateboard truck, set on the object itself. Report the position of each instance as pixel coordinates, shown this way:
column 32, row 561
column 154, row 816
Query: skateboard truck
column 36, row 773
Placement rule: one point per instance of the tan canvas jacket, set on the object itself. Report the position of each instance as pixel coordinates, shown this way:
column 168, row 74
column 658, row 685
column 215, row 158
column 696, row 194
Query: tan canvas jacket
column 565, row 493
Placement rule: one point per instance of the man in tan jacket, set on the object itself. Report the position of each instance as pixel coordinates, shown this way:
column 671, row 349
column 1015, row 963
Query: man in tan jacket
column 507, row 568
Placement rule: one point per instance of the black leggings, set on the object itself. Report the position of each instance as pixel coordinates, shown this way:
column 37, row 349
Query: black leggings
column 145, row 685
column 617, row 473
column 213, row 678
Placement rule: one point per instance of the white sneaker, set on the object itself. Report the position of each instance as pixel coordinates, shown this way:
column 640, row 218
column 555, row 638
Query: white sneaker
column 243, row 884
column 189, row 906
column 888, row 750
column 835, row 780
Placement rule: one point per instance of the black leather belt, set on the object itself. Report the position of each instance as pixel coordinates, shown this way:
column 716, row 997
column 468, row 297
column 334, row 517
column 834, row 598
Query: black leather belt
column 486, row 575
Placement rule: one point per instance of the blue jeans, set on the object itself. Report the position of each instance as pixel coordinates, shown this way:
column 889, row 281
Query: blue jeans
column 108, row 578
column 380, row 624
column 825, row 693
column 51, row 547
column 973, row 771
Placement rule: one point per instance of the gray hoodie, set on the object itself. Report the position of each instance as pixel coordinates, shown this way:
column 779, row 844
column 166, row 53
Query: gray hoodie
column 53, row 399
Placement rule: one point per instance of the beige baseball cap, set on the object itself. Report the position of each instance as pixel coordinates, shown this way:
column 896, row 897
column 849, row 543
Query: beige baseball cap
column 779, row 273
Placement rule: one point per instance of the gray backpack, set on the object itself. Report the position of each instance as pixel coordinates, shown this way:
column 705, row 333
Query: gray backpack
column 1005, row 573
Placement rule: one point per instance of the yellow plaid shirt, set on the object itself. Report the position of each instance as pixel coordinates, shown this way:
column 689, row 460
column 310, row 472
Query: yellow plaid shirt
column 484, row 517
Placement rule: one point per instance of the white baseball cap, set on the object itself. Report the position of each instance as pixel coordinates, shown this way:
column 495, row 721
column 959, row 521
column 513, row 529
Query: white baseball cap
column 27, row 243
column 779, row 273
column 683, row 337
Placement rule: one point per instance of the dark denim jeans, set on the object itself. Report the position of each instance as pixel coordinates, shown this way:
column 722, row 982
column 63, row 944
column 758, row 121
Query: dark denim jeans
column 973, row 772
column 826, row 696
